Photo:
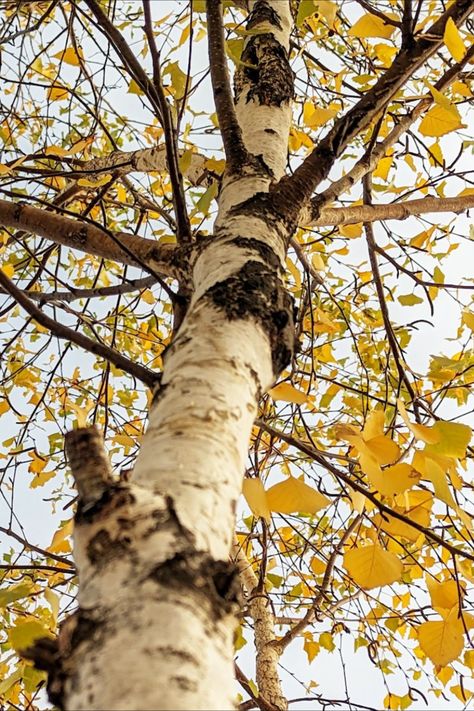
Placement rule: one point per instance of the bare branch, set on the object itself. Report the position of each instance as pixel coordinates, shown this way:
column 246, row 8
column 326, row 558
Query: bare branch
column 124, row 247
column 392, row 211
column 144, row 374
column 235, row 151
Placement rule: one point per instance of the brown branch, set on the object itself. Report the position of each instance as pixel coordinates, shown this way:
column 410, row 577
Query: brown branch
column 357, row 486
column 391, row 337
column 89, row 464
column 391, row 211
column 145, row 375
column 311, row 614
column 370, row 159
column 100, row 291
column 417, row 279
column 234, row 147
column 291, row 193
column 183, row 225
column 36, row 549
column 119, row 246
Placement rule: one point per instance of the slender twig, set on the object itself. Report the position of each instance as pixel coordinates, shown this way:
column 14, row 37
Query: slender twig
column 183, row 226
column 357, row 486
column 391, row 337
column 36, row 549
column 147, row 376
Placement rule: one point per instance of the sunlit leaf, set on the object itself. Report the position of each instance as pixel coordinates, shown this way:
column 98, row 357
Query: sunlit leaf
column 371, row 26
column 371, row 566
column 288, row 393
column 453, row 41
column 252, row 489
column 293, row 495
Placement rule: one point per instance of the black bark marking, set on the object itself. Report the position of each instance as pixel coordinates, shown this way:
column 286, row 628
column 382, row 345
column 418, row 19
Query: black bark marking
column 216, row 581
column 103, row 548
column 269, row 75
column 257, row 293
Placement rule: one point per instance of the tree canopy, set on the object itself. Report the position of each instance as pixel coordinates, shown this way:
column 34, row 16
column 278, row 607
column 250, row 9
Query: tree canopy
column 356, row 520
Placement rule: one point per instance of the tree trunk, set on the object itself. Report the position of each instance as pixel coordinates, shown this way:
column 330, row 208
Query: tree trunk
column 157, row 595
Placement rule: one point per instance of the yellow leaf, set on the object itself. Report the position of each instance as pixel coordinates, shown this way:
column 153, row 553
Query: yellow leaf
column 374, row 424
column 468, row 319
column 41, row 479
column 318, row 566
column 214, row 165
column 318, row 263
column 453, row 41
column 439, row 121
column 70, row 56
column 327, row 9
column 4, row 407
column 37, row 464
column 288, row 393
column 383, row 166
column 397, row 479
column 25, row 632
column 426, row 434
column 134, row 88
column 148, row 297
column 383, row 449
column 452, row 439
column 294, row 272
column 95, row 182
column 59, row 544
column 256, row 498
column 385, row 53
column 354, row 230
column 442, row 641
column 371, row 566
column 371, row 26
column 8, row 269
column 314, row 117
column 4, row 169
column 294, row 496
column 444, row 595
column 57, row 93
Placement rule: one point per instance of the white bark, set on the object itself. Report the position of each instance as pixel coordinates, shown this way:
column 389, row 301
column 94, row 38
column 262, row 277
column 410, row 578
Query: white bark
column 153, row 562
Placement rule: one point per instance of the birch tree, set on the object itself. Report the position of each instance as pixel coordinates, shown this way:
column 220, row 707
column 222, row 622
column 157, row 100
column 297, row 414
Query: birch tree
column 217, row 221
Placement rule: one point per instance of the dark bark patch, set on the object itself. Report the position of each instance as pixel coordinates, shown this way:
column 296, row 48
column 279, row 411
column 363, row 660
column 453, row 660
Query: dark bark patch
column 266, row 73
column 257, row 293
column 217, row 581
column 263, row 12
column 263, row 250
column 102, row 548
column 116, row 496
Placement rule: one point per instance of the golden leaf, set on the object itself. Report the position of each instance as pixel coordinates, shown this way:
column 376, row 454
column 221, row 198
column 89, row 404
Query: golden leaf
column 371, row 566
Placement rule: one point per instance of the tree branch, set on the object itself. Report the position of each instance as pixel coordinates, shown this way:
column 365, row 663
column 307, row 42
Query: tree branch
column 370, row 159
column 291, row 193
column 122, row 247
column 391, row 211
column 126, row 287
column 89, row 464
column 147, row 376
column 234, row 147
